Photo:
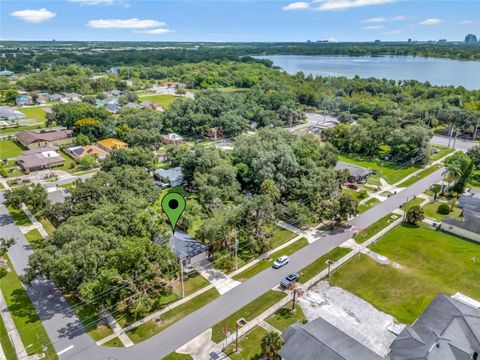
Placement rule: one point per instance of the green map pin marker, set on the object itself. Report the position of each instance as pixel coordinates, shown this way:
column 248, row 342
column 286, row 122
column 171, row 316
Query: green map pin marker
column 173, row 205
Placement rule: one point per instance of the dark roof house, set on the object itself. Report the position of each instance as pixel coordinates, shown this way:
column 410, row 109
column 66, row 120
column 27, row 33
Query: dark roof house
column 186, row 248
column 30, row 137
column 448, row 329
column 469, row 227
column 320, row 340
column 357, row 173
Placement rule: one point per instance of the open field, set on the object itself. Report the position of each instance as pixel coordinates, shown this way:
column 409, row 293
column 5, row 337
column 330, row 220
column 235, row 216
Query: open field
column 391, row 172
column 430, row 211
column 443, row 152
column 36, row 113
column 164, row 100
column 285, row 317
column 368, row 205
column 265, row 264
column 318, row 265
column 26, row 319
column 9, row 149
column 248, row 312
column 420, row 176
column 376, row 227
column 433, row 262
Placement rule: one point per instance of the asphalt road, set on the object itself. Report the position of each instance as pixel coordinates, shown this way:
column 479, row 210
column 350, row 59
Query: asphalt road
column 459, row 144
column 71, row 342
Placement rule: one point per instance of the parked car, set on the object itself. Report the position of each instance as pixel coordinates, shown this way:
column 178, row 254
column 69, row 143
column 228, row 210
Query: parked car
column 352, row 186
column 280, row 262
column 287, row 282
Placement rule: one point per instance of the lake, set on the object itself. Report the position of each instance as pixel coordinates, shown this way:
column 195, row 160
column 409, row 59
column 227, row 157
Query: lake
column 436, row 71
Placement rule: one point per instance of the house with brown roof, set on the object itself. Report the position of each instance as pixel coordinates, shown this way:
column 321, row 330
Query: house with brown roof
column 111, row 144
column 40, row 159
column 34, row 140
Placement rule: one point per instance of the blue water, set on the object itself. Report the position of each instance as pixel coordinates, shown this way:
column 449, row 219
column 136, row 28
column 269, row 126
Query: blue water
column 436, row 71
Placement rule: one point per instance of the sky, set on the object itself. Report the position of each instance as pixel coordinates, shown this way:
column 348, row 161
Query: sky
column 238, row 20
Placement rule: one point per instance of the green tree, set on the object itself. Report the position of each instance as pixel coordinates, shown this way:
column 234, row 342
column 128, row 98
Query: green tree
column 271, row 345
column 86, row 162
column 414, row 214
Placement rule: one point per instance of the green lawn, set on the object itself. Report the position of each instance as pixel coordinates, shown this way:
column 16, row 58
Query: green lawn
column 164, row 100
column 248, row 312
column 443, row 152
column 36, row 113
column 47, row 225
column 368, row 205
column 9, row 149
column 7, row 346
column 413, row 202
column 390, row 171
column 376, row 227
column 474, row 181
column 26, row 319
column 115, row 342
column 265, row 264
column 434, row 262
column 280, row 236
column 90, row 318
column 35, row 238
column 420, row 175
column 249, row 346
column 430, row 211
column 318, row 265
column 353, row 193
column 19, row 216
column 12, row 130
column 9, row 169
column 151, row 328
column 285, row 317
column 192, row 283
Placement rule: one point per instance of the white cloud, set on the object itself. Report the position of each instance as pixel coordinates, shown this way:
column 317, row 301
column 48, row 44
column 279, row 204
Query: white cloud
column 398, row 18
column 373, row 27
column 327, row 5
column 465, row 22
column 133, row 23
column 299, row 5
column 93, row 2
column 34, row 16
column 375, row 20
column 395, row 32
column 432, row 21
column 154, row 31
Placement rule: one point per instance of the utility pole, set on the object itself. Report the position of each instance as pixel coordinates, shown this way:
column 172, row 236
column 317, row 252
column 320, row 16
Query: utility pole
column 455, row 138
column 236, row 337
column 236, row 253
column 450, row 137
column 476, row 129
column 181, row 277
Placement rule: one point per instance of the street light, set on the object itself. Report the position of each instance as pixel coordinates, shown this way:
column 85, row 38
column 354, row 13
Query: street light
column 329, row 262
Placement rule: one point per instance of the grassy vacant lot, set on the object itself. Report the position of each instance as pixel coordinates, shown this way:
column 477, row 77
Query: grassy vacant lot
column 115, row 342
column 443, row 152
column 248, row 312
column 318, row 265
column 376, row 227
column 19, row 216
column 420, row 175
column 7, row 346
column 249, row 346
column 431, row 211
column 26, row 319
column 368, row 205
column 433, row 262
column 9, row 149
column 413, row 202
column 280, row 236
column 151, row 328
column 266, row 263
column 164, row 100
column 285, row 317
column 391, row 172
column 192, row 282
column 36, row 113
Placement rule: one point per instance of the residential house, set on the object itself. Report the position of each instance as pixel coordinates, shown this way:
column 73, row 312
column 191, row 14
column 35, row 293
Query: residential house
column 132, row 105
column 357, row 173
column 214, row 133
column 72, row 97
column 6, row 73
column 23, row 100
column 186, row 248
column 114, row 92
column 32, row 139
column 40, row 159
column 113, row 70
column 113, row 108
column 150, row 105
column 41, row 99
column 172, row 138
column 111, row 144
column 8, row 113
column 174, row 176
column 55, row 97
column 448, row 329
column 320, row 340
column 469, row 227
column 77, row 152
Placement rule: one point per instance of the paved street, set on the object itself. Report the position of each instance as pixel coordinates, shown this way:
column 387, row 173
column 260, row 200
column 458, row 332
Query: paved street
column 460, row 144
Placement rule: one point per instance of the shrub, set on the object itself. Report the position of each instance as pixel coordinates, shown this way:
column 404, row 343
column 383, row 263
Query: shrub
column 443, row 209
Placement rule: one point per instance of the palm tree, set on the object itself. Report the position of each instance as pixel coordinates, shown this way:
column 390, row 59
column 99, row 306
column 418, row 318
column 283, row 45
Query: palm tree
column 296, row 292
column 271, row 345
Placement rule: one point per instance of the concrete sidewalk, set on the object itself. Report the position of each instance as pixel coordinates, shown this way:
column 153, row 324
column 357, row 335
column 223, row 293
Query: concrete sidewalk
column 12, row 332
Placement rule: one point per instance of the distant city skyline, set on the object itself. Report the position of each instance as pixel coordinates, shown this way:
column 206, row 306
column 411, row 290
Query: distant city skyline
column 239, row 21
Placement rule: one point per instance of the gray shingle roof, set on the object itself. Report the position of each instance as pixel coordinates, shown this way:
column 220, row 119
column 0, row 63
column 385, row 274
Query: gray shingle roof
column 448, row 330
column 355, row 170
column 185, row 246
column 173, row 174
column 320, row 340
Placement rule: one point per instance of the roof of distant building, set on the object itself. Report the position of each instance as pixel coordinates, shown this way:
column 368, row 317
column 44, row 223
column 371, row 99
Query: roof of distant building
column 307, row 341
column 185, row 246
column 355, row 170
column 43, row 158
column 29, row 137
column 112, row 143
column 448, row 329
column 8, row 112
column 173, row 174
column 173, row 137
